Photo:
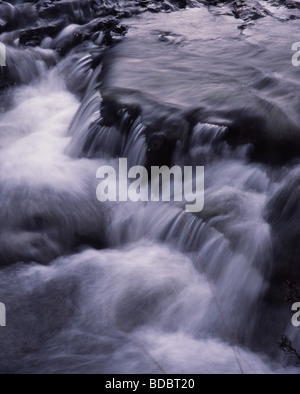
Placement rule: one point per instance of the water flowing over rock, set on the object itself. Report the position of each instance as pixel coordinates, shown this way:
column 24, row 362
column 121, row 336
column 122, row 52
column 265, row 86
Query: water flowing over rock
column 87, row 285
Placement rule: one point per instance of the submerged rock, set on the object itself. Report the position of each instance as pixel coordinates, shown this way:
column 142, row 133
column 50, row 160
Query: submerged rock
column 49, row 223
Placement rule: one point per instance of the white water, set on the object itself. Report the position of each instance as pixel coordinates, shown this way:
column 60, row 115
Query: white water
column 144, row 301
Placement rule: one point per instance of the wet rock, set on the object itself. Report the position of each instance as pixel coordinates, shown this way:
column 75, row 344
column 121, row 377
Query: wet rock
column 283, row 214
column 247, row 10
column 34, row 37
column 293, row 4
column 272, row 137
column 113, row 32
column 162, row 137
column 113, row 114
column 71, row 12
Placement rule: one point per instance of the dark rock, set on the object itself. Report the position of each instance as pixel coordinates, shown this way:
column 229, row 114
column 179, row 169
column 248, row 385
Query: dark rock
column 113, row 114
column 247, row 10
column 272, row 137
column 34, row 36
column 283, row 214
column 71, row 12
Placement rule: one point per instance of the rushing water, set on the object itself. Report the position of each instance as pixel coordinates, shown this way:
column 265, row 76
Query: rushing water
column 95, row 287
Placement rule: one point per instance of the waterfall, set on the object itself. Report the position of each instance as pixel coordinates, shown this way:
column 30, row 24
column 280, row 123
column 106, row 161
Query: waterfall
column 146, row 287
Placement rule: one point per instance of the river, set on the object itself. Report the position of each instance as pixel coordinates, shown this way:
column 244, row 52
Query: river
column 145, row 287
